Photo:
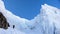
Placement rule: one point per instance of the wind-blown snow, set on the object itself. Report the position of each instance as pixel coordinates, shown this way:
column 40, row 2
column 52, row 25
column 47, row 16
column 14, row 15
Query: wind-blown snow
column 47, row 22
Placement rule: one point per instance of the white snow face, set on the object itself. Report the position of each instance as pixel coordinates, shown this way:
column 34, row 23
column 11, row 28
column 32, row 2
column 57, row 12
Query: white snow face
column 47, row 22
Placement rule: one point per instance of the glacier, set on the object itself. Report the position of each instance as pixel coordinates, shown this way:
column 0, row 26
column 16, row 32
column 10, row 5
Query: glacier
column 46, row 22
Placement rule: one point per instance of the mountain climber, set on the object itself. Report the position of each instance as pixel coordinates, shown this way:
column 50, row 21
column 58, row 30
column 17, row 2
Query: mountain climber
column 13, row 26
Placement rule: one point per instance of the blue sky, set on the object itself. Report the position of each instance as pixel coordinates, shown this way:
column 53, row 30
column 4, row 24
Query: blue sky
column 28, row 8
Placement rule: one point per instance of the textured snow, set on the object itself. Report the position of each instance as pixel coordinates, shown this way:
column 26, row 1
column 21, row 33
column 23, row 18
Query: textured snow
column 47, row 22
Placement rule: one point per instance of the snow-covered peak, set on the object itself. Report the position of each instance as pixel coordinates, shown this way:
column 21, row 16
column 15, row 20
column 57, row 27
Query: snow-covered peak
column 48, row 19
column 2, row 7
column 50, row 9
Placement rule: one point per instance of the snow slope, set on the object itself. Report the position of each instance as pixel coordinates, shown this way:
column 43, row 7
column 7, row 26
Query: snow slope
column 47, row 22
column 10, row 31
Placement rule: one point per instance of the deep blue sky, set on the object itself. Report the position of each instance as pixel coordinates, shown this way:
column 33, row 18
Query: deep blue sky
column 28, row 8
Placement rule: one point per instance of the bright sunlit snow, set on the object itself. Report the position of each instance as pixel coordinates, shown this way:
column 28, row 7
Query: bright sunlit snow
column 47, row 22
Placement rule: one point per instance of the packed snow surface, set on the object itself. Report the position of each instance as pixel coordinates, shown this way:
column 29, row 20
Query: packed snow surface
column 47, row 22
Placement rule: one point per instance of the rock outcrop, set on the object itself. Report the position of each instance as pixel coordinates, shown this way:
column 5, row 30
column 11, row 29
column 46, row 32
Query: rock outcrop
column 3, row 22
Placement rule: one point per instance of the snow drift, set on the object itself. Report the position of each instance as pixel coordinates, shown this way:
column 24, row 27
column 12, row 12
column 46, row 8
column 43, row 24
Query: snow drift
column 47, row 22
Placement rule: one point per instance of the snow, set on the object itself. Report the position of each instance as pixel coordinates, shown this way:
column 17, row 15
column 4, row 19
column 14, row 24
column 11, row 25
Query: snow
column 47, row 22
column 10, row 31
